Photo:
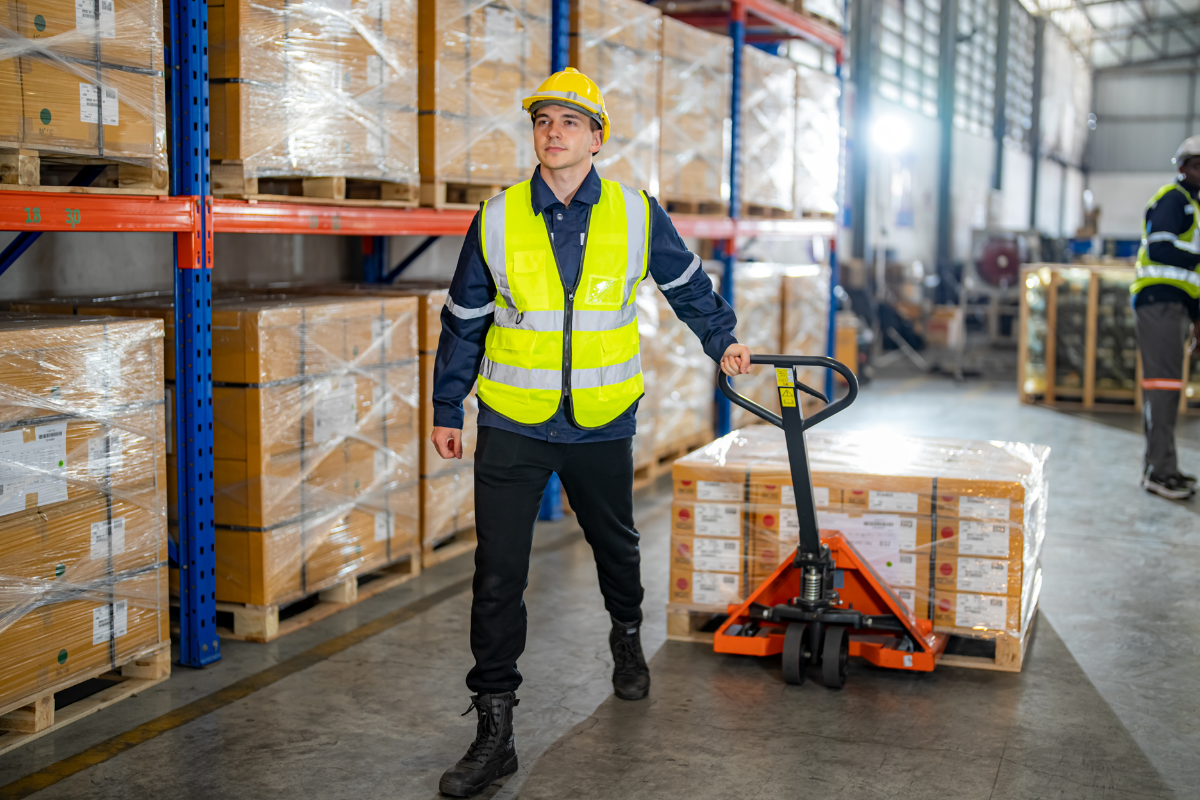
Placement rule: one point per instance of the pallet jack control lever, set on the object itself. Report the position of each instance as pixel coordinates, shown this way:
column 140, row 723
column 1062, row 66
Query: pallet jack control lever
column 785, row 362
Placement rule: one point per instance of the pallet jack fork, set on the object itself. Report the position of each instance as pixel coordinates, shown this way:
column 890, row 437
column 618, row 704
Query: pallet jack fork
column 827, row 603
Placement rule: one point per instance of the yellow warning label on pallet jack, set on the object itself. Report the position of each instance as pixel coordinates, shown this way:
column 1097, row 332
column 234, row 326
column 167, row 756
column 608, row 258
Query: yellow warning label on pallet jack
column 787, row 397
column 783, row 376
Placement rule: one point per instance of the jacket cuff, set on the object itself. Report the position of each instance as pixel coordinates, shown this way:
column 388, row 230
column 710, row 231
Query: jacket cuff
column 718, row 344
column 447, row 416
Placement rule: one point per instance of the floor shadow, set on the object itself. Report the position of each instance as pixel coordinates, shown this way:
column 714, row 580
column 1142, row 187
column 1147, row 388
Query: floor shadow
column 720, row 727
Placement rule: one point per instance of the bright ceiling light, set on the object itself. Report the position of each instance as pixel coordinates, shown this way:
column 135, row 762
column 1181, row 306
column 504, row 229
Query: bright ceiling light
column 891, row 134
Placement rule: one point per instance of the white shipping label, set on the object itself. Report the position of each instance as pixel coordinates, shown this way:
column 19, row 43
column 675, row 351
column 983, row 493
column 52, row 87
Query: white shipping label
column 717, row 555
column 906, row 536
column 717, row 519
column 715, row 589
column 983, row 539
column 14, row 477
column 979, row 611
column 982, row 575
column 88, row 11
column 908, row 597
column 101, row 624
column 904, row 502
column 120, row 618
column 108, row 19
column 374, row 75
column 719, row 491
column 821, row 495
column 106, row 535
column 383, row 526
column 903, row 571
column 105, row 455
column 379, row 329
column 90, row 109
column 47, row 455
column 874, row 536
column 789, row 526
column 334, row 409
column 983, row 507
column 500, row 28
column 787, row 495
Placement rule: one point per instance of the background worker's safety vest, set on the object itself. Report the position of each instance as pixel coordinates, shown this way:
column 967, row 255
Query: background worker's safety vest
column 1150, row 272
column 548, row 340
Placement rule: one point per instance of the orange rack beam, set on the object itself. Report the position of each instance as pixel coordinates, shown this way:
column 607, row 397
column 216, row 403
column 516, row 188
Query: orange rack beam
column 63, row 211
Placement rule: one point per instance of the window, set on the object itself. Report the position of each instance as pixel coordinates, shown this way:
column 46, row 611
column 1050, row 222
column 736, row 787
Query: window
column 1018, row 102
column 906, row 54
column 975, row 67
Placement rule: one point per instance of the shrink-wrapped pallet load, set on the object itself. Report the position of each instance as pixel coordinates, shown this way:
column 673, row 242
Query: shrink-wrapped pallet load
column 82, row 81
column 758, row 289
column 317, row 91
column 768, row 147
column 818, row 142
column 618, row 43
column 83, row 525
column 694, row 154
column 477, row 62
column 806, row 320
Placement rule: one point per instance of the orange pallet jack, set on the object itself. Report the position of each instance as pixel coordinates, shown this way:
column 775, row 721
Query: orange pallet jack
column 827, row 603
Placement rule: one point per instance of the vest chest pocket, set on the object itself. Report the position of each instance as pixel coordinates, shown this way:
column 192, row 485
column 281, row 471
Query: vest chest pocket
column 528, row 281
column 604, row 291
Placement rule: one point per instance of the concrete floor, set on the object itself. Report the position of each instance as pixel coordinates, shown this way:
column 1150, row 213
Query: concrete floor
column 1108, row 705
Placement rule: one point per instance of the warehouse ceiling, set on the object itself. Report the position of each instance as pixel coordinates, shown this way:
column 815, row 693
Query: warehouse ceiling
column 1129, row 32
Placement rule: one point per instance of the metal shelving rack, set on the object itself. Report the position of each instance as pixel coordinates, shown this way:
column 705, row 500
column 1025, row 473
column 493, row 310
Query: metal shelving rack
column 192, row 215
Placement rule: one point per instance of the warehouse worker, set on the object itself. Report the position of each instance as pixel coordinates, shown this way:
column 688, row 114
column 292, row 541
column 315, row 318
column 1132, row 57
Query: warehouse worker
column 542, row 313
column 1166, row 303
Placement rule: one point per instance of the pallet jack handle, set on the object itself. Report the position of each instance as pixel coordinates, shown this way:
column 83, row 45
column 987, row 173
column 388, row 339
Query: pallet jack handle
column 795, row 361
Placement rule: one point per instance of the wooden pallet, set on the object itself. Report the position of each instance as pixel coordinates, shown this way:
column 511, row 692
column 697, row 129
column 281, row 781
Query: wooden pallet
column 756, row 211
column 448, row 547
column 702, row 208
column 229, row 179
column 251, row 623
column 826, row 215
column 693, row 623
column 28, row 170
column 35, row 716
column 461, row 196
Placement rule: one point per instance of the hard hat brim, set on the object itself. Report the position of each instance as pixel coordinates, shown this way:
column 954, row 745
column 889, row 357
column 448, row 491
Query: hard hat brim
column 538, row 101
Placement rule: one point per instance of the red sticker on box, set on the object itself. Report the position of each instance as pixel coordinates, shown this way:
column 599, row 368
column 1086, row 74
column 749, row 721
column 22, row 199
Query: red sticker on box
column 947, row 569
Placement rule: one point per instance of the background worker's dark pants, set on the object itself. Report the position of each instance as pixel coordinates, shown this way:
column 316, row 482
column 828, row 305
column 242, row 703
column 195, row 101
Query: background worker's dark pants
column 1162, row 332
column 511, row 471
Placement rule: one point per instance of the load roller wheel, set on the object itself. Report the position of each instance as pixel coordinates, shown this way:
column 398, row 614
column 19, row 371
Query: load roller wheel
column 835, row 657
column 795, row 657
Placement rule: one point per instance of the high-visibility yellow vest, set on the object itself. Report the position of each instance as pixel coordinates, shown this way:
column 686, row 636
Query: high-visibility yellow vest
column 1150, row 272
column 549, row 342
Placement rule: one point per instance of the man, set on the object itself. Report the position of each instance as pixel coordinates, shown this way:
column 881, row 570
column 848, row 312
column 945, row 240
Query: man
column 1166, row 303
column 541, row 310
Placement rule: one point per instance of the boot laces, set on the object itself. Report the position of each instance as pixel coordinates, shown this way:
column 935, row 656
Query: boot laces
column 487, row 734
column 627, row 653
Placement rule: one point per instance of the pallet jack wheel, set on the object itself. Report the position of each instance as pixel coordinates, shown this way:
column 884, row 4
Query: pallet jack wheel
column 835, row 657
column 795, row 660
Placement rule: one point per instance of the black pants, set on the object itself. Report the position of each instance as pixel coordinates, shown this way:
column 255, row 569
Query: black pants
column 511, row 472
column 1162, row 331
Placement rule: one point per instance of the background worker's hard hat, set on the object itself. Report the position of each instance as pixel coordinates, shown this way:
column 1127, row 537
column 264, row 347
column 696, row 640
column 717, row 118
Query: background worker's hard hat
column 1189, row 148
column 571, row 88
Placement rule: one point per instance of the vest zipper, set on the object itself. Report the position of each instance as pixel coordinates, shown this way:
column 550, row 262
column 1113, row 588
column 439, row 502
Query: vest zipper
column 568, row 312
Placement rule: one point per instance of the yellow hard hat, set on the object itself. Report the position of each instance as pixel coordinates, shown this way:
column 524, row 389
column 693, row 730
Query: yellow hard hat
column 571, row 88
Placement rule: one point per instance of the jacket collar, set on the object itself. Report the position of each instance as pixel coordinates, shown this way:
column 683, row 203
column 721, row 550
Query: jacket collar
column 543, row 198
column 1193, row 191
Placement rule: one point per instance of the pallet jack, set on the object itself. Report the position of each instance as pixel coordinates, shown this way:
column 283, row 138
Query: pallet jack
column 827, row 603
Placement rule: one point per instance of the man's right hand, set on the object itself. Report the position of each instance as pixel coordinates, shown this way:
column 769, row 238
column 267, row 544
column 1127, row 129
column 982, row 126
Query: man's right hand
column 447, row 442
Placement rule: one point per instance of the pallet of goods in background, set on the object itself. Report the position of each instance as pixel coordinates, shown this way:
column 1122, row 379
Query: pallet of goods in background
column 83, row 531
column 82, row 98
column 314, row 102
column 954, row 527
column 693, row 161
column 1076, row 325
column 476, row 63
column 781, row 308
column 316, row 455
column 818, row 143
column 618, row 44
column 768, row 135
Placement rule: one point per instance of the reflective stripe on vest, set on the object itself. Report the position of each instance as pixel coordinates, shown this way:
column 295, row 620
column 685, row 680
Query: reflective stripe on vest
column 1150, row 272
column 546, row 339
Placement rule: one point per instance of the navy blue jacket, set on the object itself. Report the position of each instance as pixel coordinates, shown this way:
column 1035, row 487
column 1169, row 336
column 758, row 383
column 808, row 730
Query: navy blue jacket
column 1168, row 218
column 468, row 312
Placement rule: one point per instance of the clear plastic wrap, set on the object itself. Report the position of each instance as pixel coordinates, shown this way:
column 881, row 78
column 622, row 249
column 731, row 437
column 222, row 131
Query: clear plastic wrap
column 696, row 81
column 806, row 319
column 618, row 44
column 818, row 141
column 768, row 147
column 757, row 293
column 956, row 527
column 84, row 79
column 829, row 10
column 687, row 380
column 83, row 525
column 314, row 88
column 479, row 59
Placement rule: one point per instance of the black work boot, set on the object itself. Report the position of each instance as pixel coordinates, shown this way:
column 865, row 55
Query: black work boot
column 631, row 676
column 492, row 754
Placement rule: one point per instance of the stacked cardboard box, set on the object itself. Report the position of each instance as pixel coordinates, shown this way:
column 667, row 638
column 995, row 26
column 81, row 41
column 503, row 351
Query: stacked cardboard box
column 693, row 160
column 806, row 320
column 618, row 44
column 314, row 89
column 818, row 141
column 85, row 80
column 769, row 131
column 477, row 62
column 83, row 536
column 955, row 527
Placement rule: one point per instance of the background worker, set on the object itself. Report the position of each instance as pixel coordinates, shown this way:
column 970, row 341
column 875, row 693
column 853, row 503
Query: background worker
column 1166, row 303
column 542, row 313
